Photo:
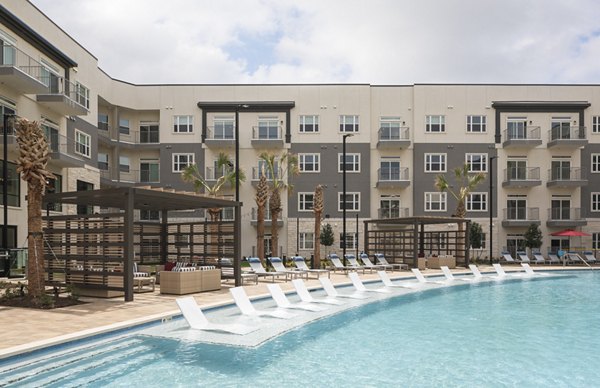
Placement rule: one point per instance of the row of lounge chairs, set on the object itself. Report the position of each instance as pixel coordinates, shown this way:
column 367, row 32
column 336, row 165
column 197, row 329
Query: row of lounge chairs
column 570, row 258
column 197, row 320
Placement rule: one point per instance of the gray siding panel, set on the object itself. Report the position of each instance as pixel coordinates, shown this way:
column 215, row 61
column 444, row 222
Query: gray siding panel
column 592, row 178
column 168, row 178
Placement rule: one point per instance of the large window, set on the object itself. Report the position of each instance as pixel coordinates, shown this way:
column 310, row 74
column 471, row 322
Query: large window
column 149, row 171
column 516, row 169
column 82, row 95
column 352, row 162
column 595, row 162
column 309, row 123
column 348, row 123
column 149, row 133
column 476, row 162
column 307, row 240
column 389, row 128
column 389, row 207
column 305, row 201
column 14, row 185
column 435, row 162
column 83, row 143
column 102, row 161
column 435, row 202
column 476, row 124
column 268, row 127
column 435, row 124
column 351, row 241
column 477, row 202
column 516, row 208
column 124, row 126
column 181, row 161
column 595, row 124
column 561, row 208
column 561, row 170
column 54, row 186
column 84, row 186
column 389, row 170
column 183, row 124
column 352, row 201
column 124, row 164
column 223, row 128
column 309, row 162
column 595, row 202
column 52, row 136
column 103, row 121
column 595, row 240
column 561, row 128
column 516, row 128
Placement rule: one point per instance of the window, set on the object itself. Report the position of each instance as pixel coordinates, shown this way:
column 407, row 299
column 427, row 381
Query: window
column 223, row 128
column 268, row 128
column 435, row 162
column 389, row 170
column 84, row 186
column 516, row 209
column 561, row 209
column 390, row 129
column 348, row 123
column 51, row 78
column 149, row 171
column 516, row 170
column 124, row 163
column 561, row 170
column 150, row 215
column 82, row 95
column 183, row 124
column 389, row 208
column 595, row 240
column 102, row 161
column 309, row 123
column 435, row 202
column 54, row 186
column 561, row 128
column 476, row 124
column 352, row 162
column 595, row 124
column 181, row 161
column 435, row 124
column 307, row 240
column 351, row 241
column 227, row 214
column 477, row 202
column 263, row 167
column 476, row 162
column 124, row 126
column 305, row 201
column 83, row 143
column 103, row 121
column 149, row 133
column 309, row 162
column 516, row 128
column 596, row 202
column 596, row 163
column 52, row 136
column 352, row 202
column 14, row 185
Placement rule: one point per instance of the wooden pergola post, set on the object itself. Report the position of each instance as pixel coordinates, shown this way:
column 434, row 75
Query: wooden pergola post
column 128, row 245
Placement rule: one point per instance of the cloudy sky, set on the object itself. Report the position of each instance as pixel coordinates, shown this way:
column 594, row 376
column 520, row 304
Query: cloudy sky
column 337, row 41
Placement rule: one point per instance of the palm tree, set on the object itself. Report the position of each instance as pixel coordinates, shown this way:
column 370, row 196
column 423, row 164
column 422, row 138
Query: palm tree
column 318, row 210
column 277, row 168
column 262, row 196
column 33, row 158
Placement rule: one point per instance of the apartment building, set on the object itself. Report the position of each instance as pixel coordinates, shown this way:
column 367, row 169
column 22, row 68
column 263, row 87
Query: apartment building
column 540, row 142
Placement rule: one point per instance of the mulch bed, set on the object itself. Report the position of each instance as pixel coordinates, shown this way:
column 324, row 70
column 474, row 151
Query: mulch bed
column 28, row 302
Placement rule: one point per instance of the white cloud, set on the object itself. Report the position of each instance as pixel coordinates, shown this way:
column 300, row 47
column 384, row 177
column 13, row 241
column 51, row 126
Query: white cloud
column 379, row 42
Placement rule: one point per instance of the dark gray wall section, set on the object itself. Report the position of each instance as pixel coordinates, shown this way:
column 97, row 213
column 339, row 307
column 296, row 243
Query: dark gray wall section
column 593, row 180
column 424, row 182
column 83, row 126
column 173, row 180
column 330, row 177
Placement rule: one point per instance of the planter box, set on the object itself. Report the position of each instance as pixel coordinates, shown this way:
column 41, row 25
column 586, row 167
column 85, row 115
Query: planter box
column 437, row 262
column 180, row 283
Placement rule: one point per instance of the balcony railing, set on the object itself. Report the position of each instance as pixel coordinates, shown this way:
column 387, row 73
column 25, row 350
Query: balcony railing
column 393, row 212
column 522, row 176
column 521, row 214
column 130, row 176
column 567, row 133
column 268, row 174
column 529, row 133
column 224, row 133
column 267, row 133
column 394, row 134
column 572, row 174
column 212, row 173
column 254, row 215
column 393, row 174
column 63, row 95
column 140, row 137
column 62, row 151
column 28, row 76
column 564, row 213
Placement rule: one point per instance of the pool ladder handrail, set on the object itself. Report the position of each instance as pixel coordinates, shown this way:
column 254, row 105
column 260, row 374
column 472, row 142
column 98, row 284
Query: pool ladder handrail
column 580, row 258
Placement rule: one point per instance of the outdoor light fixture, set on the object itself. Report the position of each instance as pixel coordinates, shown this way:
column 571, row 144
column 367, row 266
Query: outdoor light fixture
column 491, row 203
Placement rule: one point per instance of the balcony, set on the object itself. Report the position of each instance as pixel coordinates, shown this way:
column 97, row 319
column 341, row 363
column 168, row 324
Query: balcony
column 569, row 137
column 566, row 177
column 137, row 139
column 220, row 137
column 396, row 212
column 521, row 216
column 267, row 137
column 109, row 177
column 389, row 178
column 393, row 138
column 522, row 177
column 256, row 175
column 62, row 151
column 529, row 137
column 20, row 71
column 268, row 221
column 63, row 96
column 565, row 217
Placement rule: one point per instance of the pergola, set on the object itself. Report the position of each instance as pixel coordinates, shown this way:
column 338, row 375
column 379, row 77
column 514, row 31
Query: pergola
column 405, row 239
column 92, row 232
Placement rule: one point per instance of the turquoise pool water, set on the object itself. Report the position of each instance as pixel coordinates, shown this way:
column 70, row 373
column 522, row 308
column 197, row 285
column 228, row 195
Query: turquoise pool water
column 537, row 332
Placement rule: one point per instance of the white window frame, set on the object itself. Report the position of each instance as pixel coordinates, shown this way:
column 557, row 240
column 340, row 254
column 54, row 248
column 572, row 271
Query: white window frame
column 355, row 163
column 470, row 202
column 595, row 124
column 306, row 241
column 432, row 197
column 302, row 124
column 595, row 201
column 349, row 120
column 428, row 163
column 391, row 201
column 124, row 126
column 124, row 163
column 316, row 163
column 176, row 164
column 303, row 201
column 354, row 203
column 177, row 124
column 595, row 240
column 482, row 125
column 595, row 159
column 430, row 122
column 482, row 163
column 83, row 148
column 350, row 237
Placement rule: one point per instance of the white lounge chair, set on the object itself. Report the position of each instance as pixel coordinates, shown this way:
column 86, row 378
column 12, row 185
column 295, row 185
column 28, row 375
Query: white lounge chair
column 523, row 258
column 369, row 264
column 388, row 282
column 282, row 301
column 301, row 264
column 350, row 258
column 450, row 276
column 277, row 264
column 332, row 292
column 502, row 274
column 508, row 258
column 530, row 272
column 422, row 278
column 259, row 270
column 360, row 287
column 590, row 258
column 538, row 259
column 197, row 320
column 243, row 302
column 553, row 259
column 337, row 264
column 305, row 295
column 477, row 275
column 382, row 260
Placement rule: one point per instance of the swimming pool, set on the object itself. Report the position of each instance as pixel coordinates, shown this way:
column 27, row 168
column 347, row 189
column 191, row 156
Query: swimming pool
column 537, row 332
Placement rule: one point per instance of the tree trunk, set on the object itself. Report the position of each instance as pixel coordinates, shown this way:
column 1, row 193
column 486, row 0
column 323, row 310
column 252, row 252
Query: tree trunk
column 35, row 240
column 262, row 196
column 275, row 207
column 318, row 210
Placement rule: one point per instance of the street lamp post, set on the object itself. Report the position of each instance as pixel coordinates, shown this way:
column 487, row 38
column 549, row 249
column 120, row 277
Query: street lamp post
column 344, row 195
column 491, row 203
column 238, row 209
column 6, row 269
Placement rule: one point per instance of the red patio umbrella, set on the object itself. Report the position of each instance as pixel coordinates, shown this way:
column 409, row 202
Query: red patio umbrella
column 569, row 233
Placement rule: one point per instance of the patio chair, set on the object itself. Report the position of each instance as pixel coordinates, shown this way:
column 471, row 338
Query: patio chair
column 553, row 258
column 530, row 272
column 380, row 258
column 507, row 258
column 369, row 264
column 523, row 258
column 422, row 278
column 197, row 320
column 306, row 297
column 360, row 287
column 245, row 305
column 388, row 282
column 502, row 274
column 283, row 302
column 350, row 258
column 538, row 258
column 450, row 276
column 590, row 258
column 332, row 292
column 301, row 264
column 277, row 264
column 337, row 264
column 477, row 275
column 260, row 271
column 573, row 258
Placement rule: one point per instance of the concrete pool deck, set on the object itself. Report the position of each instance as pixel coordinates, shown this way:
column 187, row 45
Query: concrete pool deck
column 29, row 329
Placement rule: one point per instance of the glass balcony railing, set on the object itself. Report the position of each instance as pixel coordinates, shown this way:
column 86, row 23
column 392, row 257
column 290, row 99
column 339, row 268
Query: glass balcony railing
column 521, row 214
